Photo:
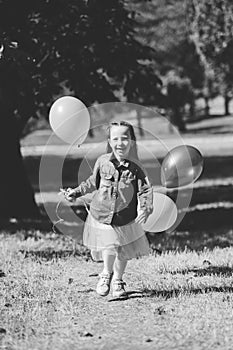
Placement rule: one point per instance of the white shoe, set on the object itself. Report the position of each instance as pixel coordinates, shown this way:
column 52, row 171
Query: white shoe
column 103, row 286
column 118, row 288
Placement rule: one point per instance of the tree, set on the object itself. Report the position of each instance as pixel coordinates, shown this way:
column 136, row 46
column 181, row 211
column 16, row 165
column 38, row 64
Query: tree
column 211, row 32
column 17, row 198
column 163, row 25
column 88, row 46
column 179, row 93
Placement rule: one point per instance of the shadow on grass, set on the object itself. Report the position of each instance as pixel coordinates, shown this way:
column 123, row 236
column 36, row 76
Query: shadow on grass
column 90, row 290
column 52, row 254
column 191, row 239
column 210, row 130
column 167, row 294
column 129, row 295
column 201, row 117
column 223, row 271
column 173, row 293
column 14, row 225
column 43, row 223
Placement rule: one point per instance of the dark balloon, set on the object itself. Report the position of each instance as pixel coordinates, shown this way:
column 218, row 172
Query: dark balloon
column 182, row 166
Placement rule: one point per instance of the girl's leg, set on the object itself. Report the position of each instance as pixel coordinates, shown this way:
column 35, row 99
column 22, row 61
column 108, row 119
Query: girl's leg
column 118, row 286
column 109, row 257
column 119, row 269
column 103, row 286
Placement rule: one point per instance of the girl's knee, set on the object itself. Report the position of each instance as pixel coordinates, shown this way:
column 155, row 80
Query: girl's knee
column 109, row 252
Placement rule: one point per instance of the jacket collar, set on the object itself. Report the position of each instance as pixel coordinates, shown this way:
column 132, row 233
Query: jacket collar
column 124, row 162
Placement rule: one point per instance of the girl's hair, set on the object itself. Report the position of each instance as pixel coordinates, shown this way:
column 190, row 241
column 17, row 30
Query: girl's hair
column 133, row 152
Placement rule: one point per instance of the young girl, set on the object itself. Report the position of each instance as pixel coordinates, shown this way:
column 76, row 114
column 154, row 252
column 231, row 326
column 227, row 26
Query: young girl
column 121, row 202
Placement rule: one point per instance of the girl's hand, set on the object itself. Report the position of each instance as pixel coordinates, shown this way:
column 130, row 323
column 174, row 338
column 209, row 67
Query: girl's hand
column 69, row 194
column 141, row 217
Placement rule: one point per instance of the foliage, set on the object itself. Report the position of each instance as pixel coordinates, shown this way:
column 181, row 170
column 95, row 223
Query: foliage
column 163, row 25
column 211, row 23
column 86, row 48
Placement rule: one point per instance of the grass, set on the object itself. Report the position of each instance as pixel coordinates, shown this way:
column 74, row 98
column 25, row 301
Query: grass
column 177, row 300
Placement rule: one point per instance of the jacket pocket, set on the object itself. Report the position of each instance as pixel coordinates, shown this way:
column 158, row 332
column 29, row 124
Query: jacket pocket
column 107, row 171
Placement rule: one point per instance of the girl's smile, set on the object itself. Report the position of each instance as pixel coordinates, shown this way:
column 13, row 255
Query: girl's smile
column 120, row 141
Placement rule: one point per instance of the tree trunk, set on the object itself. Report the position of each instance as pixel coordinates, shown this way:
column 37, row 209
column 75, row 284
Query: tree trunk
column 192, row 109
column 140, row 129
column 17, row 196
column 177, row 118
column 207, row 107
column 226, row 104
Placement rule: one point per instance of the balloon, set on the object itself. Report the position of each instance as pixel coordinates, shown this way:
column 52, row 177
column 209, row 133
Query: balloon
column 181, row 166
column 70, row 120
column 163, row 216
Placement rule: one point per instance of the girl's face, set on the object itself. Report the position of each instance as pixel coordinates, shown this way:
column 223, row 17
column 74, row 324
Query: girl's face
column 120, row 141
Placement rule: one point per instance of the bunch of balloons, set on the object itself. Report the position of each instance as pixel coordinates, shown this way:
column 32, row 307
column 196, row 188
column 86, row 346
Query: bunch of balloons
column 182, row 166
column 70, row 120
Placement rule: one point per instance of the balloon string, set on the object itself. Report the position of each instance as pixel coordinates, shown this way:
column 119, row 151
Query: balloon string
column 59, row 218
column 88, row 164
column 92, row 172
column 58, row 204
column 62, row 220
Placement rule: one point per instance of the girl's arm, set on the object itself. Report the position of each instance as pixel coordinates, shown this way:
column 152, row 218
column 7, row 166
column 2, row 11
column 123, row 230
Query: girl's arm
column 86, row 186
column 145, row 195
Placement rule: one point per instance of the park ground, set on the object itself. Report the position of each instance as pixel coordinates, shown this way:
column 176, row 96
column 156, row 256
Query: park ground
column 176, row 300
column 179, row 297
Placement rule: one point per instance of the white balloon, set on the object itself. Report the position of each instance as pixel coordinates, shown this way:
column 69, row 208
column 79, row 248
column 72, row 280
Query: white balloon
column 70, row 120
column 163, row 216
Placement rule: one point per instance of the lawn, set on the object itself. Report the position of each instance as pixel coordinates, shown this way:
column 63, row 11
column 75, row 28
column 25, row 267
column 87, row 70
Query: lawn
column 179, row 297
column 176, row 300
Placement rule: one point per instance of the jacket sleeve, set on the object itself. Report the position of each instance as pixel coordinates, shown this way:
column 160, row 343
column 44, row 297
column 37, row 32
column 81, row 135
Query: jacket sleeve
column 145, row 192
column 90, row 184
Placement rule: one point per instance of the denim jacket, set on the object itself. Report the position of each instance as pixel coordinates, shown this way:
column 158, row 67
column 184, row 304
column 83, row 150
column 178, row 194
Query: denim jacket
column 117, row 188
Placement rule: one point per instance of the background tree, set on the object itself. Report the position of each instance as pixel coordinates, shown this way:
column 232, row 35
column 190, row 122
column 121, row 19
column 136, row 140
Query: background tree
column 87, row 46
column 15, row 99
column 164, row 26
column 211, row 23
column 179, row 93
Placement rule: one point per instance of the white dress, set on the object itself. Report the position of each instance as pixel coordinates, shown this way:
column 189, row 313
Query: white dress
column 127, row 242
